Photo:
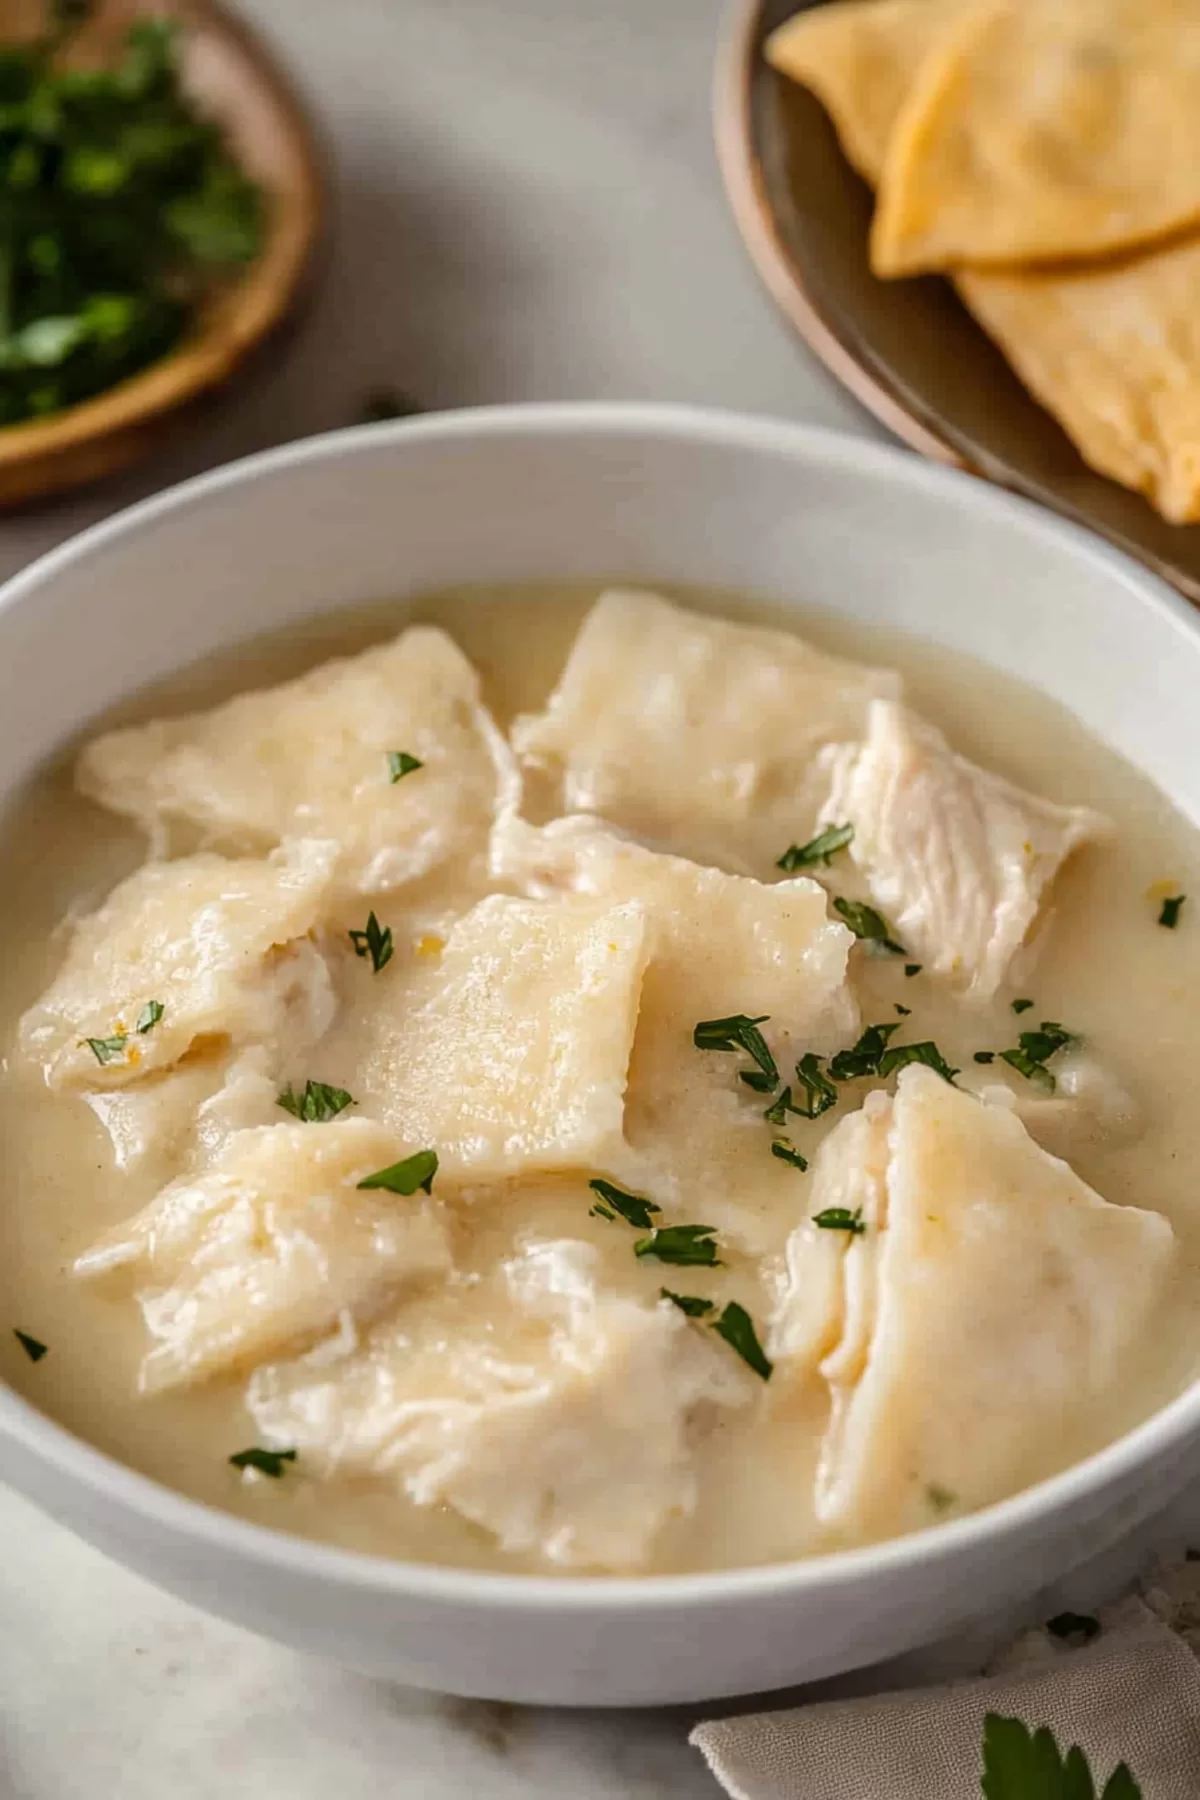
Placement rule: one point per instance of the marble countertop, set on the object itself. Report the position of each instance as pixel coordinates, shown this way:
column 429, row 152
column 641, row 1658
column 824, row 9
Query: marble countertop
column 526, row 206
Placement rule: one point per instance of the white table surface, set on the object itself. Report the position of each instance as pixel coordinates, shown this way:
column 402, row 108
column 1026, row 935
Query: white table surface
column 526, row 207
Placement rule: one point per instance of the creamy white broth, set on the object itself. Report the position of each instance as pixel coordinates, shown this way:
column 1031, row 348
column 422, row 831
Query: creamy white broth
column 1104, row 968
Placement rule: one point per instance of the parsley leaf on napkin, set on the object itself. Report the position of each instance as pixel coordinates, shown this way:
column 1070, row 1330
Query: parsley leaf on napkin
column 1019, row 1764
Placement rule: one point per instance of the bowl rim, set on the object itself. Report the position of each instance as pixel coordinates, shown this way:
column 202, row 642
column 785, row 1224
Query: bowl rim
column 76, row 1461
column 247, row 311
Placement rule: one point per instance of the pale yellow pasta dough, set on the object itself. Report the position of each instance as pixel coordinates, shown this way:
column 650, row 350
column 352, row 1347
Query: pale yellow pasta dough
column 1039, row 133
column 1112, row 351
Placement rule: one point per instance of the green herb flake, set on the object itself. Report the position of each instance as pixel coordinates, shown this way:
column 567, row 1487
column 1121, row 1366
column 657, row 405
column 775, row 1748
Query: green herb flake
column 737, row 1328
column 1171, row 909
column 682, row 1244
column 691, row 1304
column 840, row 1218
column 415, row 1171
column 109, row 1049
column 267, row 1462
column 870, row 926
column 316, row 1104
column 1020, row 1764
column 1020, row 1006
column 30, row 1345
column 939, row 1498
column 400, row 764
column 905, row 1012
column 632, row 1207
column 818, row 851
column 787, row 1152
column 738, row 1032
column 865, row 1057
column 602, row 1212
column 819, row 1092
column 1034, row 1050
column 776, row 1113
column 374, row 941
column 911, row 969
column 985, row 1056
column 150, row 1015
column 901, row 1055
column 1067, row 1625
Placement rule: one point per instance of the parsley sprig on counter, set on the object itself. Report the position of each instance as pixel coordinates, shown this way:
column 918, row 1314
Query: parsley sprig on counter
column 1019, row 1764
column 120, row 206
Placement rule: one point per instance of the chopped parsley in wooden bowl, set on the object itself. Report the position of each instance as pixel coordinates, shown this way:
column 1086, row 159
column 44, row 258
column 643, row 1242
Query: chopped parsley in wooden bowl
column 159, row 201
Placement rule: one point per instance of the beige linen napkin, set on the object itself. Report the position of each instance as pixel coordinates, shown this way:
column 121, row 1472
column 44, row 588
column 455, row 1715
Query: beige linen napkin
column 1132, row 1695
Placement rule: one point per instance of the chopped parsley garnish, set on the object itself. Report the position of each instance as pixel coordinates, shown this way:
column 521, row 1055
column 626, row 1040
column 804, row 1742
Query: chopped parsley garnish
column 778, row 1110
column 741, row 1033
column 1068, row 1625
column 1171, row 909
column 1019, row 1764
column 940, row 1498
column 911, row 969
column 1034, row 1050
column 904, row 1011
column 267, row 1462
column 632, row 1208
column 840, row 1218
column 692, row 1304
column 316, row 1104
column 601, row 1212
column 109, row 1049
column 30, row 1345
column 1020, row 1006
column 818, row 851
column 737, row 1328
column 400, row 764
column 375, row 941
column 787, row 1153
column 150, row 1014
column 900, row 1055
column 864, row 1058
column 681, row 1244
column 985, row 1056
column 869, row 925
column 819, row 1092
column 416, row 1171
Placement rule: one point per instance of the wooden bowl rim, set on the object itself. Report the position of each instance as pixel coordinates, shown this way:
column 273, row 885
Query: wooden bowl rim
column 785, row 280
column 251, row 310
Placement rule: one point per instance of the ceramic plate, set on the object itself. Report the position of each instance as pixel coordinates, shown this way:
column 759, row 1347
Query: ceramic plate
column 909, row 350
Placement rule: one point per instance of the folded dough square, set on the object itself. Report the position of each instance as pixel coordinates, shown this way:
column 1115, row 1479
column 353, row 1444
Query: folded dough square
column 222, row 947
column 567, row 1427
column 694, row 734
column 314, row 758
column 984, row 1315
column 268, row 1248
column 509, row 1052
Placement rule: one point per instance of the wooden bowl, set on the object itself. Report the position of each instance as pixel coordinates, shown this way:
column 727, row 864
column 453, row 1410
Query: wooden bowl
column 231, row 76
column 908, row 350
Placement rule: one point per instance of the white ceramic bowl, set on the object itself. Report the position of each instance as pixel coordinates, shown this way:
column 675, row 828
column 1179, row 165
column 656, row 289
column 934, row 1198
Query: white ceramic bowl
column 597, row 492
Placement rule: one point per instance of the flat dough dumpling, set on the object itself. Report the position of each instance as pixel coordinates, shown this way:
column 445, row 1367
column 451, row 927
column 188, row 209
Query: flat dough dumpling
column 223, row 947
column 508, row 1052
column 567, row 1429
column 957, row 859
column 268, row 1248
column 719, row 945
column 697, row 735
column 860, row 58
column 310, row 759
column 990, row 1304
column 1044, row 133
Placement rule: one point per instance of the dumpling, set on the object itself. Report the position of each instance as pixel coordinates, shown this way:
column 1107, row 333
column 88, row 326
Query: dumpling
column 508, row 1052
column 720, row 945
column 694, row 734
column 957, row 859
column 566, row 1427
column 990, row 1302
column 265, row 1250
column 312, row 758
column 182, row 955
